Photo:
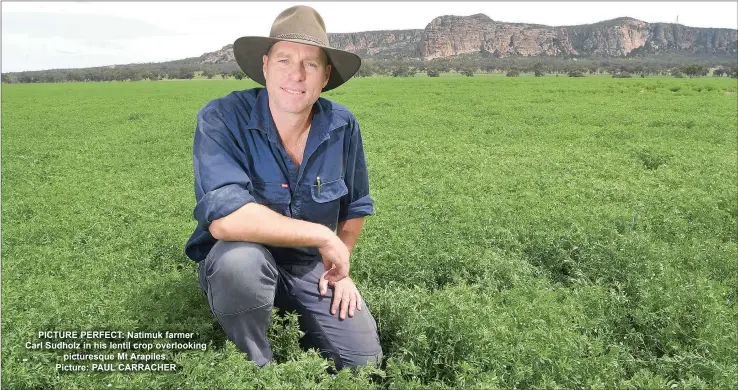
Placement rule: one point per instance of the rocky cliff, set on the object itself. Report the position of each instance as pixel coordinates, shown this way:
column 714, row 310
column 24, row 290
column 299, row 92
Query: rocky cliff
column 453, row 35
column 225, row 54
column 379, row 44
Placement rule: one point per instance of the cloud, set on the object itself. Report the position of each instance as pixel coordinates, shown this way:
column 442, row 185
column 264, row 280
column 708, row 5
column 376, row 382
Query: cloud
column 78, row 26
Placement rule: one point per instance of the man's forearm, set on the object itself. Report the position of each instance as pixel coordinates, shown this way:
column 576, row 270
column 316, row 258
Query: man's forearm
column 349, row 230
column 257, row 223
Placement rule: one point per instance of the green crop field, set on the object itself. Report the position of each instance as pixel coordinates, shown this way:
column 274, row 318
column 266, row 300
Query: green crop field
column 529, row 232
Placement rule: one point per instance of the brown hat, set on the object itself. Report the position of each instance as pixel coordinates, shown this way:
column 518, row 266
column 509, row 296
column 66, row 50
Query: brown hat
column 300, row 24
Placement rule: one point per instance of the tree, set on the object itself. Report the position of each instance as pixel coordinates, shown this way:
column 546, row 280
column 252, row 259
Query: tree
column 8, row 79
column 467, row 71
column 639, row 69
column 76, row 76
column 538, row 69
column 131, row 74
column 401, row 70
column 209, row 73
column 432, row 72
column 50, row 77
column 152, row 75
column 489, row 67
column 441, row 65
column 513, row 73
column 239, row 75
column 694, row 70
column 367, row 69
column 225, row 74
column 719, row 72
column 622, row 75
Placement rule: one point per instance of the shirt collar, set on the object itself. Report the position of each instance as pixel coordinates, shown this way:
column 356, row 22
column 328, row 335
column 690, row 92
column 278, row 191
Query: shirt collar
column 323, row 123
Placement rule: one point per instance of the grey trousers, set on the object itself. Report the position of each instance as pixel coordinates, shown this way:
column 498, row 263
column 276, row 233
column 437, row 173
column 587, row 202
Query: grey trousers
column 243, row 282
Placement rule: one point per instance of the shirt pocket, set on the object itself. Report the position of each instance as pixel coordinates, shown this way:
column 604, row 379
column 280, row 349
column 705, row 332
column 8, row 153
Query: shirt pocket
column 328, row 192
column 326, row 201
column 272, row 195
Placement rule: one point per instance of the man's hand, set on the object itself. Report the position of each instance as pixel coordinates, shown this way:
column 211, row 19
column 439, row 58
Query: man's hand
column 335, row 260
column 346, row 295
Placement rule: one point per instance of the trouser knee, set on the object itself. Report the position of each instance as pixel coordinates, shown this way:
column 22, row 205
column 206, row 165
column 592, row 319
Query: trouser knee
column 239, row 276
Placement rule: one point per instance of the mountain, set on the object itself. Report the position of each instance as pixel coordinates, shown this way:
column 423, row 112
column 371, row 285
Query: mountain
column 451, row 35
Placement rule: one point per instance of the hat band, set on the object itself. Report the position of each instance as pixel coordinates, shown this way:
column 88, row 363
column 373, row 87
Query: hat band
column 303, row 37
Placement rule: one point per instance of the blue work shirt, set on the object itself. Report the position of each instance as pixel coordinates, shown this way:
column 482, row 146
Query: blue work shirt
column 238, row 157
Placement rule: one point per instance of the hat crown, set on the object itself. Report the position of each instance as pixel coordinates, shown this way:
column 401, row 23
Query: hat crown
column 300, row 22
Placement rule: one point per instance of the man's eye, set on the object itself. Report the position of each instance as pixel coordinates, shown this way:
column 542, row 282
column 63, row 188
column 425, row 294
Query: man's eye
column 283, row 61
column 314, row 65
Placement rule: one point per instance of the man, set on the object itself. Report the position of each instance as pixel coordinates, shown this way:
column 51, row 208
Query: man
column 282, row 191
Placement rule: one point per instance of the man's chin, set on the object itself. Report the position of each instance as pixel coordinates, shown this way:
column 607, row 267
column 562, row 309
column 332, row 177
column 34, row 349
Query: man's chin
column 293, row 108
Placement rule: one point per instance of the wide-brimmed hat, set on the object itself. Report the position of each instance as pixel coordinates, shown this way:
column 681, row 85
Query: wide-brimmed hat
column 300, row 24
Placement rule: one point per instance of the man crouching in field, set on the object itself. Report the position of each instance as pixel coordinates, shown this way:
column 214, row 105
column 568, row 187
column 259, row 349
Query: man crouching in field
column 282, row 191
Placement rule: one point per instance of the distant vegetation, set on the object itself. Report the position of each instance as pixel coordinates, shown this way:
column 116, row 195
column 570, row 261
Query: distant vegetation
column 126, row 73
column 467, row 65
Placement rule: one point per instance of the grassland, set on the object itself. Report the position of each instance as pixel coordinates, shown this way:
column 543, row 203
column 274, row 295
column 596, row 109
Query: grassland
column 530, row 233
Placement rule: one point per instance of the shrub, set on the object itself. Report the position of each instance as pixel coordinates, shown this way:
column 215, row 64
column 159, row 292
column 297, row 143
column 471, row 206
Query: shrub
column 513, row 73
column 576, row 73
column 401, row 70
column 539, row 70
column 468, row 72
column 432, row 73
column 622, row 75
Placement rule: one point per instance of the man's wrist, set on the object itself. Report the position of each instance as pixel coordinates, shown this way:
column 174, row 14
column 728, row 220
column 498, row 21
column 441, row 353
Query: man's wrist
column 325, row 236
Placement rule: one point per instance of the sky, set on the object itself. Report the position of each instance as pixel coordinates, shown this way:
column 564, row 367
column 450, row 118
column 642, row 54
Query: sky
column 37, row 36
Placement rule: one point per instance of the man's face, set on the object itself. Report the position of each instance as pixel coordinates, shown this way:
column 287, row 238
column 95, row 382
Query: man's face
column 295, row 74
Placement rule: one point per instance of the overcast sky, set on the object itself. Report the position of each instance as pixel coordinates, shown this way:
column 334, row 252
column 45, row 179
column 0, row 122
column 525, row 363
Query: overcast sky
column 38, row 36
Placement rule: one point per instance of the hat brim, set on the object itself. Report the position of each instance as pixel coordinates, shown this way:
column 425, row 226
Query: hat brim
column 248, row 52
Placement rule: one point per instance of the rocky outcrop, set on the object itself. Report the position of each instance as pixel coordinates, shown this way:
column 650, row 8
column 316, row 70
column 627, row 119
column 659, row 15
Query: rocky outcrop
column 378, row 44
column 225, row 54
column 453, row 35
column 676, row 37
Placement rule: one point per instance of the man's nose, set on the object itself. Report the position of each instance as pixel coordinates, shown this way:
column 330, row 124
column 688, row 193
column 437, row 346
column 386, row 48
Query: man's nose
column 297, row 72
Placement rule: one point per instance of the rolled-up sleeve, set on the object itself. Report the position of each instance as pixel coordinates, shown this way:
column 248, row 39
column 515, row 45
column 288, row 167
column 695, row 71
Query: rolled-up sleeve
column 221, row 180
column 357, row 203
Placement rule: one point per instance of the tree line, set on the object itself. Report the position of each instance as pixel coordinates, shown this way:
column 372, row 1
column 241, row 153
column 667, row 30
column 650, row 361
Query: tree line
column 124, row 73
column 467, row 65
column 540, row 66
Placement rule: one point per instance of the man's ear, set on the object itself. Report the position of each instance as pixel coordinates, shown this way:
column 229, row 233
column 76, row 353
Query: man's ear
column 328, row 69
column 264, row 60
